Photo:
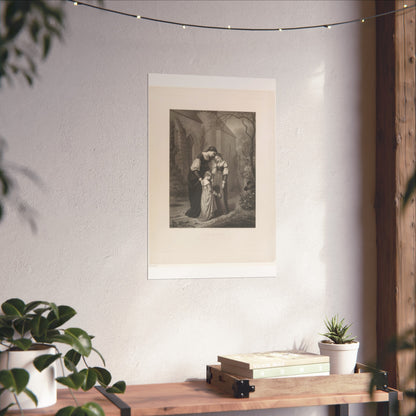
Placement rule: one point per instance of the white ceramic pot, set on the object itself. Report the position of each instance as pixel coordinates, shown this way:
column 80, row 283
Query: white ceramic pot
column 42, row 384
column 342, row 357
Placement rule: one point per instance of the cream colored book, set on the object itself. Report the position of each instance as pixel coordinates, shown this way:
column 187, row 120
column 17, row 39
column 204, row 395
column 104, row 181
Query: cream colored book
column 270, row 359
column 281, row 371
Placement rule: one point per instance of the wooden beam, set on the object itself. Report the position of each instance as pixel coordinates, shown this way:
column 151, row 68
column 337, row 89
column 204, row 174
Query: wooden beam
column 395, row 164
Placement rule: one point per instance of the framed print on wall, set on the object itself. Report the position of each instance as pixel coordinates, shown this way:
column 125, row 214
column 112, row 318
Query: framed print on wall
column 211, row 177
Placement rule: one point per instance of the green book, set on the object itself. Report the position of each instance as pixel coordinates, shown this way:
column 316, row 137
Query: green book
column 274, row 372
column 273, row 359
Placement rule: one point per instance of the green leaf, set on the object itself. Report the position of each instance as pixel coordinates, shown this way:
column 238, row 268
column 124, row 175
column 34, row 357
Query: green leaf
column 28, row 78
column 54, row 309
column 39, row 327
column 34, row 30
column 59, row 315
column 410, row 393
column 119, row 387
column 4, row 54
column 4, row 411
column 32, row 64
column 90, row 379
column 6, row 184
column 337, row 331
column 6, row 379
column 71, row 360
column 22, row 325
column 103, row 376
column 6, row 332
column 44, row 361
column 15, row 10
column 33, row 305
column 93, row 409
column 88, row 409
column 46, row 45
column 77, row 338
column 15, row 28
column 65, row 411
column 410, row 188
column 18, row 52
column 13, row 307
column 14, row 380
column 15, row 69
column 31, row 396
column 73, row 381
column 51, row 334
column 22, row 343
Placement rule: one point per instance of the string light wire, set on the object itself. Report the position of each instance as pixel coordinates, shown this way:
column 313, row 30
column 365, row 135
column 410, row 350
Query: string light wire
column 184, row 25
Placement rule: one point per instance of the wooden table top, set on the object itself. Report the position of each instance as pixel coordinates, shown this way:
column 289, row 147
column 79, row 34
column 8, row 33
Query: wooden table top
column 199, row 397
column 65, row 399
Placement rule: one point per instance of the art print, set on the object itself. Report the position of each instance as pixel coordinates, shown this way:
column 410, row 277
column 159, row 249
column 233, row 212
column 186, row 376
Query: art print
column 212, row 169
column 211, row 177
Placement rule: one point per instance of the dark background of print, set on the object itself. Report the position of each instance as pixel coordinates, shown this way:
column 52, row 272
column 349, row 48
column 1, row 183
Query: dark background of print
column 233, row 134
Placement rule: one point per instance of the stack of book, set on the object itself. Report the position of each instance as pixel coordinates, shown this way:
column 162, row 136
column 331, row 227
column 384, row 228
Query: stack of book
column 275, row 364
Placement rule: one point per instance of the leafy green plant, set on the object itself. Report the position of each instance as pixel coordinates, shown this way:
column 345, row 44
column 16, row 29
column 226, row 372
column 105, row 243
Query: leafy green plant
column 40, row 22
column 25, row 326
column 337, row 331
column 28, row 29
column 404, row 343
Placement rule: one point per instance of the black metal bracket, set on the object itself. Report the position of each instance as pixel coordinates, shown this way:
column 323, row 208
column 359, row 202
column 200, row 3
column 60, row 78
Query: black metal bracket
column 208, row 375
column 381, row 380
column 380, row 377
column 242, row 389
column 125, row 409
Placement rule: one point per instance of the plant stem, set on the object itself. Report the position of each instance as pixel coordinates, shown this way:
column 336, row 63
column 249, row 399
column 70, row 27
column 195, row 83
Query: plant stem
column 63, row 373
column 85, row 362
column 18, row 403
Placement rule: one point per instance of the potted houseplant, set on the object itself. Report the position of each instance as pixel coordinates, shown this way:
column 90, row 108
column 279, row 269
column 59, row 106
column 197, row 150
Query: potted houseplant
column 340, row 346
column 34, row 331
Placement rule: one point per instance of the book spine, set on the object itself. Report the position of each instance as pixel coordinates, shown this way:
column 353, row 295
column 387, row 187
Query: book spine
column 235, row 363
column 258, row 363
column 293, row 370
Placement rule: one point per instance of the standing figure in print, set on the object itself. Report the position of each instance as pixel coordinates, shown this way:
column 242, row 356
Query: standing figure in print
column 220, row 181
column 208, row 198
column 199, row 166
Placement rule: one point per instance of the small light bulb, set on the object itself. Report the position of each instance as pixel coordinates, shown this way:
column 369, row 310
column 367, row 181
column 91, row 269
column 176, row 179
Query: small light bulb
column 138, row 16
column 362, row 20
column 229, row 27
column 75, row 3
column 328, row 26
column 405, row 6
column 183, row 27
column 280, row 29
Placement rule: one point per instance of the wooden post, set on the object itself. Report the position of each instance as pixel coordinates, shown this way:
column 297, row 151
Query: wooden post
column 395, row 164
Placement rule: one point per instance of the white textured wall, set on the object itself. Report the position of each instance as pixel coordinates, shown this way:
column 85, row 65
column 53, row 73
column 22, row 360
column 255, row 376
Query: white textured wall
column 83, row 130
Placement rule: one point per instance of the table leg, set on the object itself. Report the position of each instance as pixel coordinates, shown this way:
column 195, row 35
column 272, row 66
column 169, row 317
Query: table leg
column 390, row 408
column 341, row 410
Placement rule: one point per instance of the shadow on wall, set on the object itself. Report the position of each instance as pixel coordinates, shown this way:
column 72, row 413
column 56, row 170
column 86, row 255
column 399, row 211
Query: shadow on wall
column 350, row 213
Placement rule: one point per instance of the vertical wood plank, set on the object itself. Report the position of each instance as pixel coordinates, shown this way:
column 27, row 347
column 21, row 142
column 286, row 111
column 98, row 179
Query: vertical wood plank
column 406, row 153
column 385, row 186
column 395, row 163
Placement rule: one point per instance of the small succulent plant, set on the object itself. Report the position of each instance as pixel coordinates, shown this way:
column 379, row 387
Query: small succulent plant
column 337, row 331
